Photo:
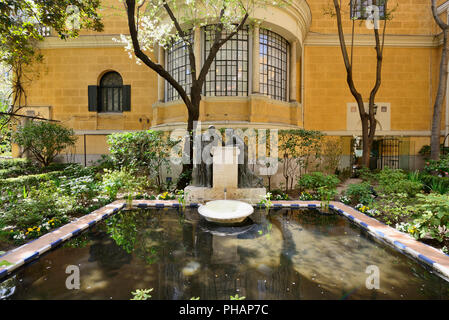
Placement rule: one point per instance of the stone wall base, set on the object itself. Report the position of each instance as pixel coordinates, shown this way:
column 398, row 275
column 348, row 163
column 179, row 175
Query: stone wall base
column 201, row 194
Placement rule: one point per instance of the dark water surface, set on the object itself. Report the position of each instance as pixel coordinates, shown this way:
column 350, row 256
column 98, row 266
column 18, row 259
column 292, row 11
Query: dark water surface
column 286, row 254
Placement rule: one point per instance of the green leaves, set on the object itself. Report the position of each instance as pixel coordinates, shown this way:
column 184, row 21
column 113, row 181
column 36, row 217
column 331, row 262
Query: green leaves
column 360, row 193
column 45, row 140
column 4, row 263
column 431, row 215
column 141, row 294
column 144, row 151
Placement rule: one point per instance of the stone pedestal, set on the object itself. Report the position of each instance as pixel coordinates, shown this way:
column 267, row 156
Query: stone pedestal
column 225, row 176
column 201, row 194
column 225, row 167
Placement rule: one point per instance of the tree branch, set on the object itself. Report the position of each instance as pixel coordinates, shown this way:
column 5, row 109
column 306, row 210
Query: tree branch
column 349, row 78
column 130, row 8
column 218, row 43
column 183, row 36
column 437, row 19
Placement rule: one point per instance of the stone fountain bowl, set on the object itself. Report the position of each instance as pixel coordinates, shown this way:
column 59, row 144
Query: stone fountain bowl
column 226, row 211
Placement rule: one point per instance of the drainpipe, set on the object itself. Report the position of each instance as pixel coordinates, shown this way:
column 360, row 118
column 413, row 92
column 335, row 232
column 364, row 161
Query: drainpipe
column 447, row 117
column 446, row 132
column 303, row 104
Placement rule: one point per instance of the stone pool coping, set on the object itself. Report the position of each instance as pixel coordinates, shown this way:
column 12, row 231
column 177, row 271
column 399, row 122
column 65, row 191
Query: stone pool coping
column 403, row 242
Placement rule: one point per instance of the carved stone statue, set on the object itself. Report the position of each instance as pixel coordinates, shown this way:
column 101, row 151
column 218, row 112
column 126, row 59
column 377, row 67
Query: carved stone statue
column 247, row 178
column 203, row 172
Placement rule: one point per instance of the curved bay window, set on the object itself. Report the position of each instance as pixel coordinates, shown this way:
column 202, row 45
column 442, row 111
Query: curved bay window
column 178, row 65
column 273, row 65
column 228, row 74
column 111, row 92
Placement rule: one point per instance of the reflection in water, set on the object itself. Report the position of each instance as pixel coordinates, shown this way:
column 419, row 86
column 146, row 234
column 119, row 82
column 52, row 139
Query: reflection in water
column 285, row 254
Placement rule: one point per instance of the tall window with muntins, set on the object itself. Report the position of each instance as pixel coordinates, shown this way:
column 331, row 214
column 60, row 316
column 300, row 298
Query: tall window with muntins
column 228, row 74
column 273, row 65
column 111, row 92
column 178, row 65
column 360, row 9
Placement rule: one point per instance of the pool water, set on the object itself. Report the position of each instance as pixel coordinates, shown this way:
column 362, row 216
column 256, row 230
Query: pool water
column 281, row 254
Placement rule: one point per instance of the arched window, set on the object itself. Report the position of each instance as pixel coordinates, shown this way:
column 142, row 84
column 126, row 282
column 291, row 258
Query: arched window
column 111, row 92
column 228, row 74
column 178, row 66
column 273, row 65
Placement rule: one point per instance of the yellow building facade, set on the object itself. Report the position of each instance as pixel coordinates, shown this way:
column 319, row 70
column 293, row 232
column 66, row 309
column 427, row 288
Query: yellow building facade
column 297, row 43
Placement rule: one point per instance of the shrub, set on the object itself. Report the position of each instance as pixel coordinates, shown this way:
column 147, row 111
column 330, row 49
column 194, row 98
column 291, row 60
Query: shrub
column 431, row 216
column 144, row 151
column 123, row 180
column 17, row 171
column 396, row 181
column 29, row 180
column 392, row 209
column 440, row 167
column 300, row 150
column 332, row 149
column 319, row 186
column 366, row 174
column 315, row 180
column 30, row 212
column 14, row 163
column 45, row 140
column 277, row 194
column 434, row 183
column 360, row 193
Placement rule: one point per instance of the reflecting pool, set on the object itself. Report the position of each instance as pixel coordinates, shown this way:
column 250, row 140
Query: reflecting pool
column 280, row 254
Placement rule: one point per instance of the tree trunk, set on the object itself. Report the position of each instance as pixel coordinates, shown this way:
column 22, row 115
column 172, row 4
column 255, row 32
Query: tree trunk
column 442, row 85
column 193, row 116
column 435, row 144
column 365, row 142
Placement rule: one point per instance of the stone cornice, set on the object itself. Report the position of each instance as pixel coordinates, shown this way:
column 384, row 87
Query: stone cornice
column 87, row 41
column 403, row 41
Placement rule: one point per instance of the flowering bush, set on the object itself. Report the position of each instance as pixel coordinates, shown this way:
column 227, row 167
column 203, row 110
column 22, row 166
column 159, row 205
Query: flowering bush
column 166, row 196
column 396, row 181
column 36, row 231
column 345, row 199
column 367, row 210
column 305, row 196
column 431, row 215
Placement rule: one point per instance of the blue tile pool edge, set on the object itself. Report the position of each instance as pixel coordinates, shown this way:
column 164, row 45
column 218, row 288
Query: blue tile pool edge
column 4, row 272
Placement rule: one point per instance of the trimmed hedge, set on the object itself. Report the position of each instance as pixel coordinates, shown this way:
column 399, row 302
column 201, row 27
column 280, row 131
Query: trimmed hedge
column 16, row 171
column 70, row 171
column 16, row 162
column 29, row 180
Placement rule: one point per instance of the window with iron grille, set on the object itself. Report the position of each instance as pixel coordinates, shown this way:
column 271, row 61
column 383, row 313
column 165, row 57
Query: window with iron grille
column 228, row 74
column 273, row 65
column 360, row 8
column 178, row 65
column 111, row 92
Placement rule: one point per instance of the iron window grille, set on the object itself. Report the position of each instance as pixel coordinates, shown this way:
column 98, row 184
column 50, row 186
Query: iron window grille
column 178, row 66
column 359, row 9
column 111, row 92
column 273, row 65
column 228, row 74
